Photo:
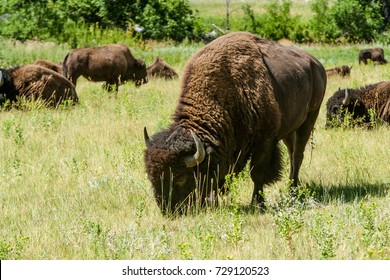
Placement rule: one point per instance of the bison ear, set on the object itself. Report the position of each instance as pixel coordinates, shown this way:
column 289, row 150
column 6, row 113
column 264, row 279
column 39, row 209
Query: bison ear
column 199, row 155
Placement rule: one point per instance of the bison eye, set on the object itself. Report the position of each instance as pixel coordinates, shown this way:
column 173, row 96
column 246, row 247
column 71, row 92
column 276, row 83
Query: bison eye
column 335, row 109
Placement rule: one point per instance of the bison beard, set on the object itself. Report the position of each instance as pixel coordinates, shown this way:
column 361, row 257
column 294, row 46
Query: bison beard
column 240, row 96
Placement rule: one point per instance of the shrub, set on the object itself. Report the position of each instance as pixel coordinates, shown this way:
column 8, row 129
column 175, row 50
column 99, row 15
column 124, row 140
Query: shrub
column 358, row 20
column 322, row 26
column 172, row 19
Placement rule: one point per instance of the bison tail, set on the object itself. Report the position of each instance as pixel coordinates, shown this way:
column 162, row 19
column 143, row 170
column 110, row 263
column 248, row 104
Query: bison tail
column 64, row 67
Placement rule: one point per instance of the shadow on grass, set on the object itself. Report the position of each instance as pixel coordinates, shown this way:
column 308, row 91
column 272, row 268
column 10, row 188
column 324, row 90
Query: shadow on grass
column 346, row 193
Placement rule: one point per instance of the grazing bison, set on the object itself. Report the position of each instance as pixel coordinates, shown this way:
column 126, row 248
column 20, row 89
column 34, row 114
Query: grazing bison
column 342, row 71
column 159, row 68
column 35, row 82
column 358, row 103
column 112, row 63
column 240, row 95
column 57, row 67
column 375, row 54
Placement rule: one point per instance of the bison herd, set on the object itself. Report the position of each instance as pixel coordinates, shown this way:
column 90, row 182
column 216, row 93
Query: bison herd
column 54, row 83
column 240, row 97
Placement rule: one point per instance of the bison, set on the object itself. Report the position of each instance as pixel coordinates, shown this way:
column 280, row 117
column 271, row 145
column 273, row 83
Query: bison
column 374, row 54
column 358, row 103
column 159, row 68
column 113, row 64
column 57, row 67
column 240, row 95
column 35, row 82
column 342, row 71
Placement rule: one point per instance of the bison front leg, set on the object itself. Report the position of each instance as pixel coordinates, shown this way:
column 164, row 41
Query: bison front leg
column 266, row 166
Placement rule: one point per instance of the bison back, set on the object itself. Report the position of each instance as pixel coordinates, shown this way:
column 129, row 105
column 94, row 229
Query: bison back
column 37, row 82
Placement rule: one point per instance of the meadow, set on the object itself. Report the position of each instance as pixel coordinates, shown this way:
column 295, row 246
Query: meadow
column 73, row 184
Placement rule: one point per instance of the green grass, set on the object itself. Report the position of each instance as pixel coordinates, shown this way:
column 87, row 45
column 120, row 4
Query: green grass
column 73, row 184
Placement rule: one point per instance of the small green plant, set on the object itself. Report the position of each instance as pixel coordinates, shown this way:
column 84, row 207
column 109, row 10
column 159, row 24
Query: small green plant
column 185, row 251
column 324, row 236
column 288, row 214
column 376, row 231
column 12, row 250
column 234, row 213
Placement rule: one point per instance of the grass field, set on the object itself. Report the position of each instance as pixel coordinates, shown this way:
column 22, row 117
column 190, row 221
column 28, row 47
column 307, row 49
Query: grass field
column 73, row 185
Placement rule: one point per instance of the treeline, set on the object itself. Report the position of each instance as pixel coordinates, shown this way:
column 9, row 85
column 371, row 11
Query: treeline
column 80, row 22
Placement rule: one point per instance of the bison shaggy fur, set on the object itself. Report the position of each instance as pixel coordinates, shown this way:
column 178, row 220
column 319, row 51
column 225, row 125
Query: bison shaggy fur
column 57, row 67
column 113, row 64
column 240, row 95
column 160, row 69
column 35, row 82
column 342, row 71
column 358, row 103
column 374, row 54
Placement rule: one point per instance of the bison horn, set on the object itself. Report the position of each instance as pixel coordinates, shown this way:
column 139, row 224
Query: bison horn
column 346, row 98
column 146, row 137
column 200, row 154
column 1, row 78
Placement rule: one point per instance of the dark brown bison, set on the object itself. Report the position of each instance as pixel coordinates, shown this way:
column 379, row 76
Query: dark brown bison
column 342, row 71
column 35, row 82
column 113, row 64
column 375, row 54
column 240, row 95
column 160, row 69
column 57, row 67
column 358, row 103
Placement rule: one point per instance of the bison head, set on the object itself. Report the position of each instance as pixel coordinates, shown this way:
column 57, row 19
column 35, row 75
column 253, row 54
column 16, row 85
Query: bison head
column 176, row 166
column 343, row 102
column 140, row 76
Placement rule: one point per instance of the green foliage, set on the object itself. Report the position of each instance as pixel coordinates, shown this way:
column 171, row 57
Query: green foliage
column 66, row 21
column 324, row 236
column 358, row 20
column 11, row 250
column 276, row 23
column 169, row 19
column 322, row 25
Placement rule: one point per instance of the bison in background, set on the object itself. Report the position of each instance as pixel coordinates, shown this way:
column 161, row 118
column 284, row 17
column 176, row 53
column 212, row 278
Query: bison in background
column 35, row 82
column 358, row 103
column 160, row 69
column 342, row 71
column 374, row 54
column 112, row 64
column 240, row 95
column 57, row 67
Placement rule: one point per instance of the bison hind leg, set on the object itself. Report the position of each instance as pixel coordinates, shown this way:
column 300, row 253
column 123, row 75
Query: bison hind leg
column 266, row 168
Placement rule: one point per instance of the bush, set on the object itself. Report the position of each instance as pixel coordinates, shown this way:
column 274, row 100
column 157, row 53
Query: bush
column 358, row 20
column 322, row 26
column 64, row 20
column 172, row 19
column 275, row 24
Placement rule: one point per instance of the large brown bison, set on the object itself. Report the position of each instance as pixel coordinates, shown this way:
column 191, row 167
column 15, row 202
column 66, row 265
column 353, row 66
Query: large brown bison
column 160, row 69
column 240, row 95
column 113, row 64
column 342, row 71
column 358, row 103
column 374, row 54
column 35, row 82
column 57, row 67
